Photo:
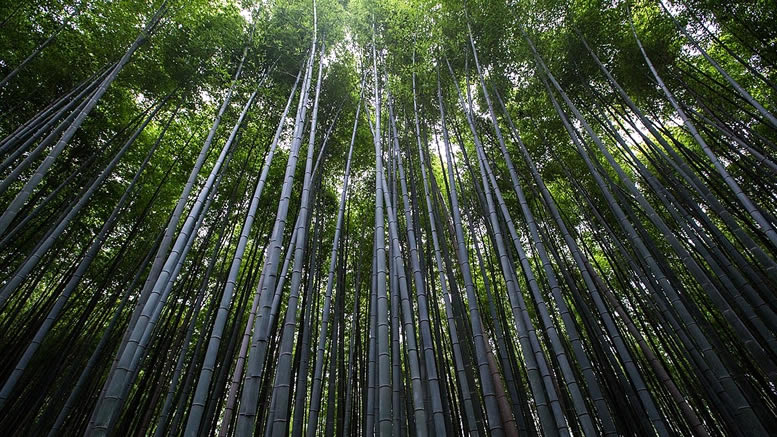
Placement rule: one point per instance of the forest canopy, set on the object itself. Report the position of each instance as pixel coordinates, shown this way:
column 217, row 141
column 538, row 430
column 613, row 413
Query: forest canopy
column 400, row 217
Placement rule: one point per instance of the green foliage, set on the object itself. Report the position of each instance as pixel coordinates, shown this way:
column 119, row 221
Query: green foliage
column 191, row 59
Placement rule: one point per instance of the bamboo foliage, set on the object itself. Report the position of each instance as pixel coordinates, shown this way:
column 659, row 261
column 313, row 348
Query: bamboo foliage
column 478, row 219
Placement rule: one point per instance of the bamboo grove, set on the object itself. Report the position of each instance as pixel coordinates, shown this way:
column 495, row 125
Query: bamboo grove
column 331, row 217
